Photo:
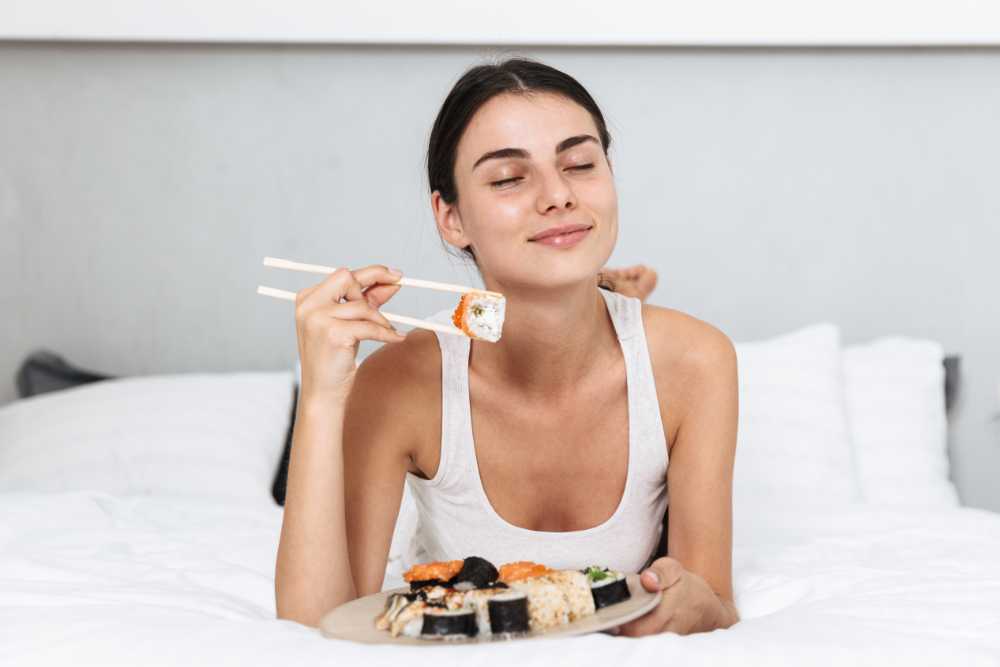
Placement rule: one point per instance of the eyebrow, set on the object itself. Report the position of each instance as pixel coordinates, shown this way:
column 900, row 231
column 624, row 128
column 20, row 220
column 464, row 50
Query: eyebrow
column 520, row 153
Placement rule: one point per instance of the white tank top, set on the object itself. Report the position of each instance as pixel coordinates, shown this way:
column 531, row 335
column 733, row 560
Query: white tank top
column 455, row 518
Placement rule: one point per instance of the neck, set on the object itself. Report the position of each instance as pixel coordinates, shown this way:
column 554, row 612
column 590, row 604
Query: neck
column 551, row 339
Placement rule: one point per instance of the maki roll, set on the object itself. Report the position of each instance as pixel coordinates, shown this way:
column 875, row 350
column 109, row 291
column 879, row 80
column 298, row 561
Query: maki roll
column 478, row 600
column 449, row 623
column 508, row 613
column 607, row 586
column 480, row 315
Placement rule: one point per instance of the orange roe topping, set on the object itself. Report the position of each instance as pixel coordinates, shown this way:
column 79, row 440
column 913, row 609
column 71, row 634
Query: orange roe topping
column 443, row 570
column 458, row 317
column 522, row 569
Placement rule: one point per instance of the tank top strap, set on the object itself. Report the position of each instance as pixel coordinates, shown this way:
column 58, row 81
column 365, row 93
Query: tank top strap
column 645, row 421
column 456, row 417
column 626, row 313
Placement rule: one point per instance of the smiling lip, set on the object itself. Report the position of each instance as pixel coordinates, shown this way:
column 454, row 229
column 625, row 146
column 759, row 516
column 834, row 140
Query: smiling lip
column 561, row 232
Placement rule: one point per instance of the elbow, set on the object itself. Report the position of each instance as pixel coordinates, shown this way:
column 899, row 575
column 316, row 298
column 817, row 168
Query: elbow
column 296, row 608
column 729, row 615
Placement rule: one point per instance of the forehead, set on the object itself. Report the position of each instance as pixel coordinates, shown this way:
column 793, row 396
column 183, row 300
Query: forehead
column 535, row 122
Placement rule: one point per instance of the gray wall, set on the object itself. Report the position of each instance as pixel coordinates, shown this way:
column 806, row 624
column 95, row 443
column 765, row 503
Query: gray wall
column 140, row 185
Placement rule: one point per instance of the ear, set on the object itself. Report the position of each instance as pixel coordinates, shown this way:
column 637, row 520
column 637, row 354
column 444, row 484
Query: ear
column 449, row 221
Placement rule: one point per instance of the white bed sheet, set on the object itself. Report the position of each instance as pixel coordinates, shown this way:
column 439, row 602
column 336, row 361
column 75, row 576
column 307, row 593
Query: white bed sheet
column 89, row 578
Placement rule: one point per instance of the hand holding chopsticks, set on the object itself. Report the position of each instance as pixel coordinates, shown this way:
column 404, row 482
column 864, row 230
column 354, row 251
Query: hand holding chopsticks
column 479, row 314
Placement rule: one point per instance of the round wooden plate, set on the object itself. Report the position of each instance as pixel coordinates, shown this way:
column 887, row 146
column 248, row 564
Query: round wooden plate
column 355, row 621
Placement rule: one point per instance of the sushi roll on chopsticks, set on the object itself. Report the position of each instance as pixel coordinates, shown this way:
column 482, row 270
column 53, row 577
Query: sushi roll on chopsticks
column 480, row 315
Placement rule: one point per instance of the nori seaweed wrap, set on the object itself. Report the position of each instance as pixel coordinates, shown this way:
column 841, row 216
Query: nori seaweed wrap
column 508, row 613
column 476, row 571
column 425, row 583
column 450, row 623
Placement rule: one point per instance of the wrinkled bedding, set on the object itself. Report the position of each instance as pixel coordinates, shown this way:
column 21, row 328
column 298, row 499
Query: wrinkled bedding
column 93, row 578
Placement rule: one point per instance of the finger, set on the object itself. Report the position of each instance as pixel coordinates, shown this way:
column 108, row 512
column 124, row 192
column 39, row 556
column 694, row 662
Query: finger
column 331, row 290
column 648, row 624
column 378, row 295
column 661, row 574
column 359, row 310
column 648, row 277
column 354, row 291
column 377, row 274
column 359, row 330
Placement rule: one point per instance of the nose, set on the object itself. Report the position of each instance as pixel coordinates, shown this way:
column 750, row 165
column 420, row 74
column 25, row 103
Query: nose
column 556, row 193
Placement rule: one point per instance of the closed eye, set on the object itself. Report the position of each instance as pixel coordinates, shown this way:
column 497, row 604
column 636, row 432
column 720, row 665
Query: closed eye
column 506, row 181
column 581, row 167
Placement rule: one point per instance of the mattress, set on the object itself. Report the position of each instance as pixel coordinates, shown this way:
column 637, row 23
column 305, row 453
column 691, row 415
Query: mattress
column 90, row 578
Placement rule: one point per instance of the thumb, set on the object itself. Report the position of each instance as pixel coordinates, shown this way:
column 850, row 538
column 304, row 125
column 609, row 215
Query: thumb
column 661, row 574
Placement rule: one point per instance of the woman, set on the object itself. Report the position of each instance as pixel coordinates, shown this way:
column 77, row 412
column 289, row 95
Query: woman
column 551, row 445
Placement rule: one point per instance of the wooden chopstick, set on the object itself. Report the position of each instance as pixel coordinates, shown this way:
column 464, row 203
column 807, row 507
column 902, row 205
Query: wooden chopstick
column 399, row 319
column 277, row 263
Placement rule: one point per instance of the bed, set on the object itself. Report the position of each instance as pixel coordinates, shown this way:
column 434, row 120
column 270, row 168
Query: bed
column 137, row 525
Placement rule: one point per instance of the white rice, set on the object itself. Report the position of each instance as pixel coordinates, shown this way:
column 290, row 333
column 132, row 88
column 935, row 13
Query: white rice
column 484, row 314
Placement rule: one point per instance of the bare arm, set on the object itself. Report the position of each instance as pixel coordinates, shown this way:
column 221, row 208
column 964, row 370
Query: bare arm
column 700, row 478
column 696, row 576
column 312, row 573
column 394, row 398
column 313, row 570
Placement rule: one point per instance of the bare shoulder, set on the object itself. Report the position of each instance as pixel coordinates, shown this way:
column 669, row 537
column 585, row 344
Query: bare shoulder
column 684, row 342
column 691, row 360
column 400, row 368
column 397, row 387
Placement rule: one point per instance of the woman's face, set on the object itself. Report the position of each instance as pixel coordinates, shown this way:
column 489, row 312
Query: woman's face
column 536, row 197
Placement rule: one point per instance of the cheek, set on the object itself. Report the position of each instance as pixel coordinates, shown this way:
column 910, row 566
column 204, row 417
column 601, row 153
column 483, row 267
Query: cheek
column 602, row 199
column 497, row 217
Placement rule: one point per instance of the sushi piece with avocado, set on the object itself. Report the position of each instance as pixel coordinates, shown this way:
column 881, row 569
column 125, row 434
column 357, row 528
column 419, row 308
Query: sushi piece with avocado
column 607, row 586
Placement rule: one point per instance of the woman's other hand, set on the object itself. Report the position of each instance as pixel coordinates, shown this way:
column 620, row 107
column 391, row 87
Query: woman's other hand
column 688, row 605
column 638, row 280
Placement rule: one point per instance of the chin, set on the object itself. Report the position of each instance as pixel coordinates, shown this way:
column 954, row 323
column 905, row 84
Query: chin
column 557, row 275
column 552, row 269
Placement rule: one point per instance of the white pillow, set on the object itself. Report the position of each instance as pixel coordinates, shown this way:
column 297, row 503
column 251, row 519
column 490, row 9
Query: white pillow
column 895, row 398
column 213, row 435
column 794, row 445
